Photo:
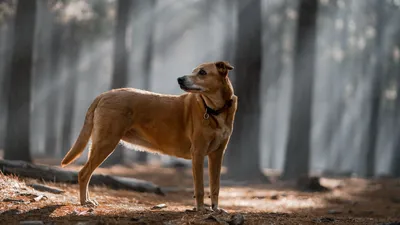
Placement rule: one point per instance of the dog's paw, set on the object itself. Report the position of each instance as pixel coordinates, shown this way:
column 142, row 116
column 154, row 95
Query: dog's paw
column 90, row 203
column 200, row 209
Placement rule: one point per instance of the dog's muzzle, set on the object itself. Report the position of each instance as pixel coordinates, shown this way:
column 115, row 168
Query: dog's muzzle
column 187, row 85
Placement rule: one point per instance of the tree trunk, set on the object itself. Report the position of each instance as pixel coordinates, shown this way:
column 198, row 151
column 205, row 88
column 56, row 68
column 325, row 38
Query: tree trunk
column 70, row 87
column 51, row 123
column 148, row 59
column 298, row 146
column 395, row 71
column 243, row 156
column 17, row 146
column 376, row 91
column 5, row 79
column 120, row 66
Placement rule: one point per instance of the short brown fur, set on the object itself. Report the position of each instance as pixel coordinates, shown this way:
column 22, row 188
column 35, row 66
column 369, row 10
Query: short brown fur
column 175, row 125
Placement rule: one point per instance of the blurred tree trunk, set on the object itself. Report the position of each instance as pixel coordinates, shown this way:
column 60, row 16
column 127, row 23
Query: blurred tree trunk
column 5, row 67
column 298, row 147
column 395, row 71
column 120, row 66
column 394, row 168
column 17, row 142
column 229, row 39
column 51, row 123
column 376, row 92
column 274, row 64
column 243, row 153
column 148, row 59
column 72, row 52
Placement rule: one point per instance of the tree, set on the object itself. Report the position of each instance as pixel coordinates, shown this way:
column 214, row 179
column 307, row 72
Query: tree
column 148, row 59
column 120, row 65
column 376, row 92
column 394, row 70
column 298, row 146
column 72, row 54
column 243, row 151
column 55, row 52
column 6, row 43
column 17, row 141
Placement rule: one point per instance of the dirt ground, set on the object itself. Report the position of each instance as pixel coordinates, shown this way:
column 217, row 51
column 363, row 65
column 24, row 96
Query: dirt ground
column 349, row 201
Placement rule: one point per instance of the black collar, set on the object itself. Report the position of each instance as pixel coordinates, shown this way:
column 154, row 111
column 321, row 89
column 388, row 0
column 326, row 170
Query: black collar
column 216, row 112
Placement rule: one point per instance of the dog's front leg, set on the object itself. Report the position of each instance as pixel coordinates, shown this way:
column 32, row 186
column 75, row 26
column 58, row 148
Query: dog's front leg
column 214, row 170
column 197, row 169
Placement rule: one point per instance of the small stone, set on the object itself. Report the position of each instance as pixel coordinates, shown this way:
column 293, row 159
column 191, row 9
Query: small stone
column 324, row 220
column 160, row 206
column 134, row 219
column 216, row 219
column 395, row 200
column 275, row 197
column 237, row 219
column 332, row 211
column 310, row 184
column 38, row 198
column 31, row 222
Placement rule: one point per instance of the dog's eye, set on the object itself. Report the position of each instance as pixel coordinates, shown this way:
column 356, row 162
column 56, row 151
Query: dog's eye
column 202, row 72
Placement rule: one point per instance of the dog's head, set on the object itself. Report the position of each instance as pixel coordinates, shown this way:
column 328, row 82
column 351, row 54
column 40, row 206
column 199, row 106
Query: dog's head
column 206, row 78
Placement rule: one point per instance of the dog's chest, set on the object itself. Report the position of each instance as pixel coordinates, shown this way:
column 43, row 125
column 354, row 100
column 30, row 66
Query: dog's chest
column 222, row 132
column 219, row 134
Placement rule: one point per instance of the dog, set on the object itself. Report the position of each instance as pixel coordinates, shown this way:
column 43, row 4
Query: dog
column 193, row 125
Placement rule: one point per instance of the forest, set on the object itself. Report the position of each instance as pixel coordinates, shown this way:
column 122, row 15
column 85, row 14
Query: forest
column 316, row 135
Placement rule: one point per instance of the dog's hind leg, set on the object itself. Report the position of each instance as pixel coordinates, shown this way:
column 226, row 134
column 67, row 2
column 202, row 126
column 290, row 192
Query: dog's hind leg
column 104, row 142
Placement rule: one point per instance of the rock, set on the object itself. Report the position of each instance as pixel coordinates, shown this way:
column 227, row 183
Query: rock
column 395, row 200
column 216, row 219
column 135, row 219
column 31, row 222
column 332, row 211
column 160, row 206
column 367, row 212
column 237, row 219
column 274, row 197
column 258, row 197
column 324, row 220
column 40, row 197
column 310, row 184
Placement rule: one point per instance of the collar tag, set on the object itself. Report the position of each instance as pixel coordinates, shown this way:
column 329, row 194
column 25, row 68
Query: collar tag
column 206, row 116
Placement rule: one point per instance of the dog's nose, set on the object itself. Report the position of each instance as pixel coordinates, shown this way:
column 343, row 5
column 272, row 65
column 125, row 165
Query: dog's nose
column 181, row 80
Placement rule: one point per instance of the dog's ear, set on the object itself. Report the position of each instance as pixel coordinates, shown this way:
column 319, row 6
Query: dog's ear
column 223, row 67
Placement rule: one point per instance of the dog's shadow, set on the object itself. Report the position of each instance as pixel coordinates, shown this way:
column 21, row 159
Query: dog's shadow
column 42, row 213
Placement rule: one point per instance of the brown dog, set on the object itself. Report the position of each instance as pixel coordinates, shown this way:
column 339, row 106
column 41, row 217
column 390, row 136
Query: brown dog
column 190, row 126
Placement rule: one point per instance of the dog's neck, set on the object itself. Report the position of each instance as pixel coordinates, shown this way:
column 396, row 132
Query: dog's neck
column 221, row 99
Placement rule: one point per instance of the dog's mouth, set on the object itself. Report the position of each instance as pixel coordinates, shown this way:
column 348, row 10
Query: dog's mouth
column 191, row 88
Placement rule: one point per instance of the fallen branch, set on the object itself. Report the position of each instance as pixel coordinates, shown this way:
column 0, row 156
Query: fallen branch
column 41, row 187
column 54, row 174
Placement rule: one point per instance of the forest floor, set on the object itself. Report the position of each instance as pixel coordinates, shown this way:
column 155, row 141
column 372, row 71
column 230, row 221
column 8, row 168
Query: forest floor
column 349, row 201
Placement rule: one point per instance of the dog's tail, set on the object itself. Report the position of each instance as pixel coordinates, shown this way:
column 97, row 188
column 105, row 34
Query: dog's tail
column 83, row 137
